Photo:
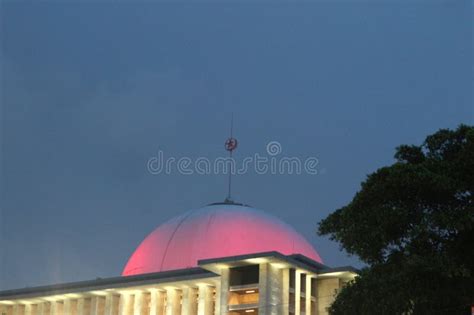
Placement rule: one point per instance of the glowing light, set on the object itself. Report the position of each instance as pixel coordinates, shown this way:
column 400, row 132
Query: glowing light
column 153, row 290
column 52, row 298
column 256, row 260
column 249, row 311
column 332, row 274
column 279, row 265
column 250, row 291
column 129, row 292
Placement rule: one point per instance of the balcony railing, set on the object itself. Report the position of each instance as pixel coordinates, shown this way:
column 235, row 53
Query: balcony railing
column 241, row 307
column 252, row 286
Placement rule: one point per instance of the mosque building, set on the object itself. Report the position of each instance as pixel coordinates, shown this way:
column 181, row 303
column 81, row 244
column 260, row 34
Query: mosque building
column 225, row 258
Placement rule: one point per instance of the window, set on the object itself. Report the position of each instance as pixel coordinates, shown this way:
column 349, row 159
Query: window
column 244, row 275
column 292, row 278
column 243, row 290
column 243, row 297
column 313, row 287
column 303, row 282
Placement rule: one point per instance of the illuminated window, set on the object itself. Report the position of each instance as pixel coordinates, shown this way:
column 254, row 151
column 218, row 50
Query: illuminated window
column 243, row 290
column 243, row 297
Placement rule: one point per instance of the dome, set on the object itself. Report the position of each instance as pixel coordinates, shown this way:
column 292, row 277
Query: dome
column 215, row 231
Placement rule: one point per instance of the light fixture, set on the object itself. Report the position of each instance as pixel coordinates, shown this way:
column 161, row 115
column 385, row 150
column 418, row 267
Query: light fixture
column 279, row 265
column 250, row 291
column 257, row 261
column 249, row 311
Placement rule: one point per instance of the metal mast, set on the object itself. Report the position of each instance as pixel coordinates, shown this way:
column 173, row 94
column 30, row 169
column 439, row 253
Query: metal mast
column 230, row 145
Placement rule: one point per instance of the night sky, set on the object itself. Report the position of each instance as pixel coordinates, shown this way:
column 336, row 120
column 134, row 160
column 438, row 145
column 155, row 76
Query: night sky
column 91, row 90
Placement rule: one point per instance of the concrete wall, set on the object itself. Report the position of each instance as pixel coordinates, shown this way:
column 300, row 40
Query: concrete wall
column 273, row 290
column 326, row 293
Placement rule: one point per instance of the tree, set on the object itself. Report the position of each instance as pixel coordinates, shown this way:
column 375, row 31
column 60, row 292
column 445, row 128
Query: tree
column 412, row 224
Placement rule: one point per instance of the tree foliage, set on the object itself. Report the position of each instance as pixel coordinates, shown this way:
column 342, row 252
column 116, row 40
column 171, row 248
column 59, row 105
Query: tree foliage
column 412, row 223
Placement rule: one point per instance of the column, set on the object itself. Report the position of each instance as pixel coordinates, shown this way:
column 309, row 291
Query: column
column 217, row 306
column 124, row 304
column 297, row 292
column 270, row 290
column 138, row 304
column 314, row 293
column 111, row 304
column 308, row 295
column 94, row 308
column 97, row 305
column 47, row 308
column 56, row 308
column 285, row 292
column 224, row 291
column 157, row 302
column 33, row 309
column 205, row 302
column 264, row 289
column 29, row 309
column 40, row 309
column 190, row 303
column 172, row 302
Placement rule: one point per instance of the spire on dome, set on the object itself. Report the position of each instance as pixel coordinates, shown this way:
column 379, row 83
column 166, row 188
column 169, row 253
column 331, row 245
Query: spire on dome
column 230, row 145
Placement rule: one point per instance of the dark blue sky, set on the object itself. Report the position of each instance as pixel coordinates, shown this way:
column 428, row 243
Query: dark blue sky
column 92, row 90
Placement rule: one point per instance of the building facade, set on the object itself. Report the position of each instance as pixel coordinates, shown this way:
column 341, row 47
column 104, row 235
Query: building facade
column 220, row 259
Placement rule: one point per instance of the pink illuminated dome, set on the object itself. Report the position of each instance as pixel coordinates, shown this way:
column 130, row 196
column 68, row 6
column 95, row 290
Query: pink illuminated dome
column 215, row 231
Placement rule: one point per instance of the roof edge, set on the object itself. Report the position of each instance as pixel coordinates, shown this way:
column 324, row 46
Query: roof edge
column 103, row 283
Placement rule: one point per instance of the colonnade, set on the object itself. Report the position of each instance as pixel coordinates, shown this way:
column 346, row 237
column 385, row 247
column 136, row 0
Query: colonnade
column 305, row 294
column 198, row 300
